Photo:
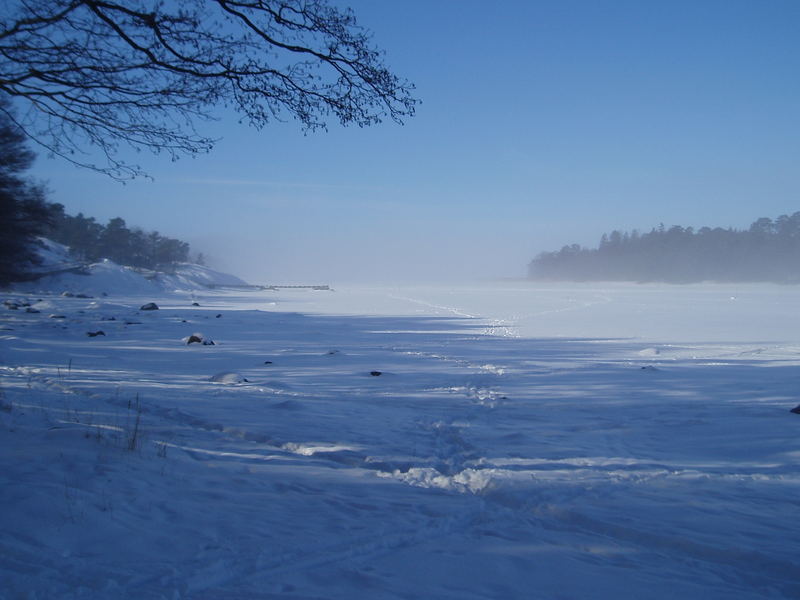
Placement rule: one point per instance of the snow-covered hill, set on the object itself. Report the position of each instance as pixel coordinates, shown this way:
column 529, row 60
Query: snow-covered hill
column 109, row 278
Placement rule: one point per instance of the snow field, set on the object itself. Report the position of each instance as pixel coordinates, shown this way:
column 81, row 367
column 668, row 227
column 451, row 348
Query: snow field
column 483, row 462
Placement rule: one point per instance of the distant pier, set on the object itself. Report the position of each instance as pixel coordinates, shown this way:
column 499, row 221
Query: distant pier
column 324, row 288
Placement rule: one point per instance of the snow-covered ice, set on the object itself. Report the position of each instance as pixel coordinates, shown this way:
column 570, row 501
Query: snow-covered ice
column 521, row 441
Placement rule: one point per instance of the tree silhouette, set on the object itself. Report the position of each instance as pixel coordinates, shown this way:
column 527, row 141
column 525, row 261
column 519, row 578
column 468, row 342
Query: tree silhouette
column 23, row 212
column 767, row 251
column 141, row 73
column 91, row 241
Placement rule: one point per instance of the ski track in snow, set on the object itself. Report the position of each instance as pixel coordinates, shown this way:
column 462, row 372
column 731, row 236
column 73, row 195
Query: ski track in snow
column 501, row 449
column 508, row 327
column 499, row 327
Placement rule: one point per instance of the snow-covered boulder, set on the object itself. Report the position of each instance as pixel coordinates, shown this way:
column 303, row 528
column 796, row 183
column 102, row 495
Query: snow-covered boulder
column 228, row 377
column 198, row 338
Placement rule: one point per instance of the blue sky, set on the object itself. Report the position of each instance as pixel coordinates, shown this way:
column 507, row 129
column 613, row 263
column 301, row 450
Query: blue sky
column 541, row 124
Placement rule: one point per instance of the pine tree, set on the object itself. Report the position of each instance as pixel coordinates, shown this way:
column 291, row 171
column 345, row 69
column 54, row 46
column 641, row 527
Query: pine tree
column 23, row 211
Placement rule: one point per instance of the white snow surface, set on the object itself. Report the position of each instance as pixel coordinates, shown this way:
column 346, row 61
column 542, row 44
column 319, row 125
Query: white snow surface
column 520, row 441
column 53, row 254
column 188, row 276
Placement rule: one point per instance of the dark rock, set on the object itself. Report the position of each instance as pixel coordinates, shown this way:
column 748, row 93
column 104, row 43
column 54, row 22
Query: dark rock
column 58, row 317
column 195, row 304
column 82, row 296
column 95, row 333
column 219, row 316
column 149, row 306
column 267, row 362
column 197, row 338
column 796, row 410
column 375, row 373
column 32, row 310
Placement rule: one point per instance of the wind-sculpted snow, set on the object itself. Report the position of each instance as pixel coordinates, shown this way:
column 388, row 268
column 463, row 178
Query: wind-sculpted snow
column 189, row 276
column 499, row 453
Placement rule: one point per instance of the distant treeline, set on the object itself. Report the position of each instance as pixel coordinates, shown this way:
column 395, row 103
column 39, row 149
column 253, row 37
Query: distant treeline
column 91, row 241
column 767, row 251
column 26, row 214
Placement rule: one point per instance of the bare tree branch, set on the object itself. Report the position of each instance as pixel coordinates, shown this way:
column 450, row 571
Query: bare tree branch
column 142, row 73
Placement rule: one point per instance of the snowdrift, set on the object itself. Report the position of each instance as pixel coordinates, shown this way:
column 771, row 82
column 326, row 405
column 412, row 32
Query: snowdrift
column 191, row 276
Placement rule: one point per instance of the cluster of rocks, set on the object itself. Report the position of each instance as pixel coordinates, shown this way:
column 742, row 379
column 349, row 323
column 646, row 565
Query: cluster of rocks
column 195, row 338
column 14, row 304
column 19, row 304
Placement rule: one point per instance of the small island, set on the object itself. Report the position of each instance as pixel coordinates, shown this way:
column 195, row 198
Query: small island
column 768, row 251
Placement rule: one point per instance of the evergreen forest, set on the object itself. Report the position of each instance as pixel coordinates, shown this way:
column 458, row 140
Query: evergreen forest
column 90, row 241
column 768, row 251
column 25, row 214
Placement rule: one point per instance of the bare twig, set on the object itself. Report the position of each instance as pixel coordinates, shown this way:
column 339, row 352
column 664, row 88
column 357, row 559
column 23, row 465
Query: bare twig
column 102, row 73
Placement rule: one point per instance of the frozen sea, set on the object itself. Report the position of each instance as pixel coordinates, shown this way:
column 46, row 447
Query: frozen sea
column 500, row 440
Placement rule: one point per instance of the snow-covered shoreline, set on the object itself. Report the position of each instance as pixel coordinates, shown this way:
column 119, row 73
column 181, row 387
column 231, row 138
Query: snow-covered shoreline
column 107, row 277
column 483, row 462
